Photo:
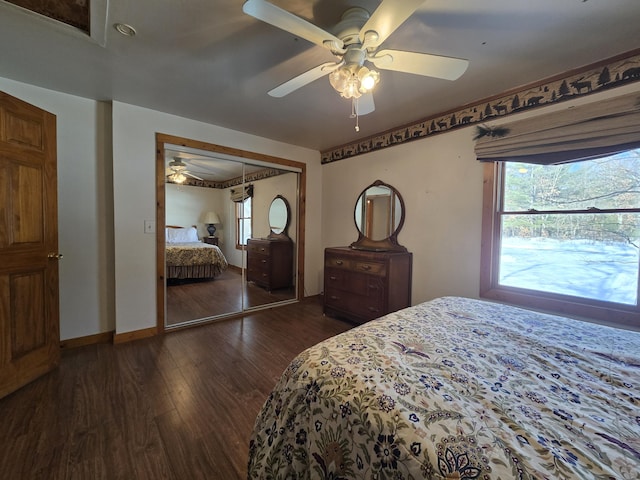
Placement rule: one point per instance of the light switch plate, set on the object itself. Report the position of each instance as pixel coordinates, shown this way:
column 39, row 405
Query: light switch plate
column 149, row 226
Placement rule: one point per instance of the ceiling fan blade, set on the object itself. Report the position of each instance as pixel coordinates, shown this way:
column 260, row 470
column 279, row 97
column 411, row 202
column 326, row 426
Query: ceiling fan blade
column 437, row 66
column 365, row 104
column 304, row 79
column 191, row 175
column 389, row 15
column 289, row 22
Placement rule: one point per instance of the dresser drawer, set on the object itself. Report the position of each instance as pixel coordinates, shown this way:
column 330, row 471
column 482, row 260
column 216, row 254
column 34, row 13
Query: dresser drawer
column 258, row 275
column 355, row 265
column 367, row 310
column 255, row 266
column 358, row 283
column 258, row 248
column 360, row 306
column 338, row 262
column 335, row 278
column 369, row 267
column 258, row 261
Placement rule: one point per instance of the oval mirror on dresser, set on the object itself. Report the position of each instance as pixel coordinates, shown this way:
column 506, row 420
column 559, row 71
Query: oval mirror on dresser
column 372, row 276
column 279, row 215
column 379, row 217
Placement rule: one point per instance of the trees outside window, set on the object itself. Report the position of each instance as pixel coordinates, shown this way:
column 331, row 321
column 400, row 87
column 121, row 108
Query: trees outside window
column 565, row 237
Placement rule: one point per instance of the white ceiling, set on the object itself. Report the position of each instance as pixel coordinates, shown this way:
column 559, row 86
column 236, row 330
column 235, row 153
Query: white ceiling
column 207, row 60
column 210, row 166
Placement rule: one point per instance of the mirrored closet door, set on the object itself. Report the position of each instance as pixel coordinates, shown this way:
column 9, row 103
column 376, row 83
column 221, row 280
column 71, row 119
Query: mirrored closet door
column 270, row 250
column 229, row 232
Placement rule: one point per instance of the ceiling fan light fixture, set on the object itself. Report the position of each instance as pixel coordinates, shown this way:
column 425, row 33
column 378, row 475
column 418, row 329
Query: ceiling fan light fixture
column 351, row 81
column 368, row 79
column 177, row 177
column 342, row 80
column 356, row 39
column 352, row 90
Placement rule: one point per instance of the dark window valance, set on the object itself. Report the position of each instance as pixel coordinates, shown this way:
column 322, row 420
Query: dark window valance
column 584, row 132
column 242, row 193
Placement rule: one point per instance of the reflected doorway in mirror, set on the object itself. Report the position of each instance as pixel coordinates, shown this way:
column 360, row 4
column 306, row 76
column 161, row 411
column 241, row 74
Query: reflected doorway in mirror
column 379, row 216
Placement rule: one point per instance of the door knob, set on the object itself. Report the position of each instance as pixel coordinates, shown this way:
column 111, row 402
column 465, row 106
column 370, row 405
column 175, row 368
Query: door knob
column 57, row 256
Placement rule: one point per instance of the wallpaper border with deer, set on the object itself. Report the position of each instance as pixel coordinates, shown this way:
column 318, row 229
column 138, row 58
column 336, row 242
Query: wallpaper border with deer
column 605, row 75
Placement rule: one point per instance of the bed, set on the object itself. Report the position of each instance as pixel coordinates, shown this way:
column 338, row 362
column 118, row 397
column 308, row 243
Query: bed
column 188, row 258
column 457, row 388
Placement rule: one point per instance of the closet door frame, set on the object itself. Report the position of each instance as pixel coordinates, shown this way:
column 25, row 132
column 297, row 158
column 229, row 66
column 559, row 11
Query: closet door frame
column 243, row 156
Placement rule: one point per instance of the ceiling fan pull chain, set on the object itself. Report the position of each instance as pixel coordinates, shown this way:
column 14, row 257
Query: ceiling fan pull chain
column 354, row 111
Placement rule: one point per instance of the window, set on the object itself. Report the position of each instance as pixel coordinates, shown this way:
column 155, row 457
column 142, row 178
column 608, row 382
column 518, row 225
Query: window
column 565, row 237
column 243, row 222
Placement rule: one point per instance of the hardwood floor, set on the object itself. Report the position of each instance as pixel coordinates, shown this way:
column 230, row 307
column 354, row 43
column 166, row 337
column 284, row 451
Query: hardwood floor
column 195, row 299
column 177, row 406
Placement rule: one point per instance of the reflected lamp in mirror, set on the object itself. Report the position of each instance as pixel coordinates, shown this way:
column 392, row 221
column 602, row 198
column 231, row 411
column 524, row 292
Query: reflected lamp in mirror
column 210, row 219
column 379, row 216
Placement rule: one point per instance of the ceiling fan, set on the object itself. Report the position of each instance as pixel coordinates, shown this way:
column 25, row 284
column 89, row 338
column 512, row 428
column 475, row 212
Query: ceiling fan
column 177, row 171
column 356, row 41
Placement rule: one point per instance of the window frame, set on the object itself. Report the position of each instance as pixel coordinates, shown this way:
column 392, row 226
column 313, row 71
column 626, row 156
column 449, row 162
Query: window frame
column 493, row 188
column 239, row 208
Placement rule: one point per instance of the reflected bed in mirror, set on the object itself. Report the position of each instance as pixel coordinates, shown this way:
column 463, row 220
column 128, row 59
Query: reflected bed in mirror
column 379, row 217
column 187, row 258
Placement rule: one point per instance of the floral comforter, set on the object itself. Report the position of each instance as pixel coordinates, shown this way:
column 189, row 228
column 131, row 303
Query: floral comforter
column 457, row 388
column 185, row 254
column 194, row 260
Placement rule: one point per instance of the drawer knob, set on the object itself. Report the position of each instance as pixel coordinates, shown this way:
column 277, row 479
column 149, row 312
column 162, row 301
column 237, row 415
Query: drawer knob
column 263, row 261
column 373, row 309
column 338, row 262
column 366, row 267
column 333, row 297
column 333, row 278
column 262, row 249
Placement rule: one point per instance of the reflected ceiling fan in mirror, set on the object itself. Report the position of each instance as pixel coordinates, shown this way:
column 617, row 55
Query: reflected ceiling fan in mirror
column 177, row 171
column 356, row 41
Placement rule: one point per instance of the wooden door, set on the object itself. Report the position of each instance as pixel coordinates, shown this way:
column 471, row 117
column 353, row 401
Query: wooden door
column 29, row 318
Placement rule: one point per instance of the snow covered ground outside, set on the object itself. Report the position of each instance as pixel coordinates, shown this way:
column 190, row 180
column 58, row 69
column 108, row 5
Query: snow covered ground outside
column 586, row 269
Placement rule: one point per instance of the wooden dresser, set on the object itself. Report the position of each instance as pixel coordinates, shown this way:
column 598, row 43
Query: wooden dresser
column 363, row 285
column 270, row 262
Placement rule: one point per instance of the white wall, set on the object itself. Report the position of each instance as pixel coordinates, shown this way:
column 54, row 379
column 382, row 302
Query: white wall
column 441, row 185
column 85, row 212
column 134, row 130
column 107, row 276
column 185, row 206
column 440, row 181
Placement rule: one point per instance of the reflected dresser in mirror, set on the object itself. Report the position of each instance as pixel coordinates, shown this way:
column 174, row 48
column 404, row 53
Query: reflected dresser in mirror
column 270, row 259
